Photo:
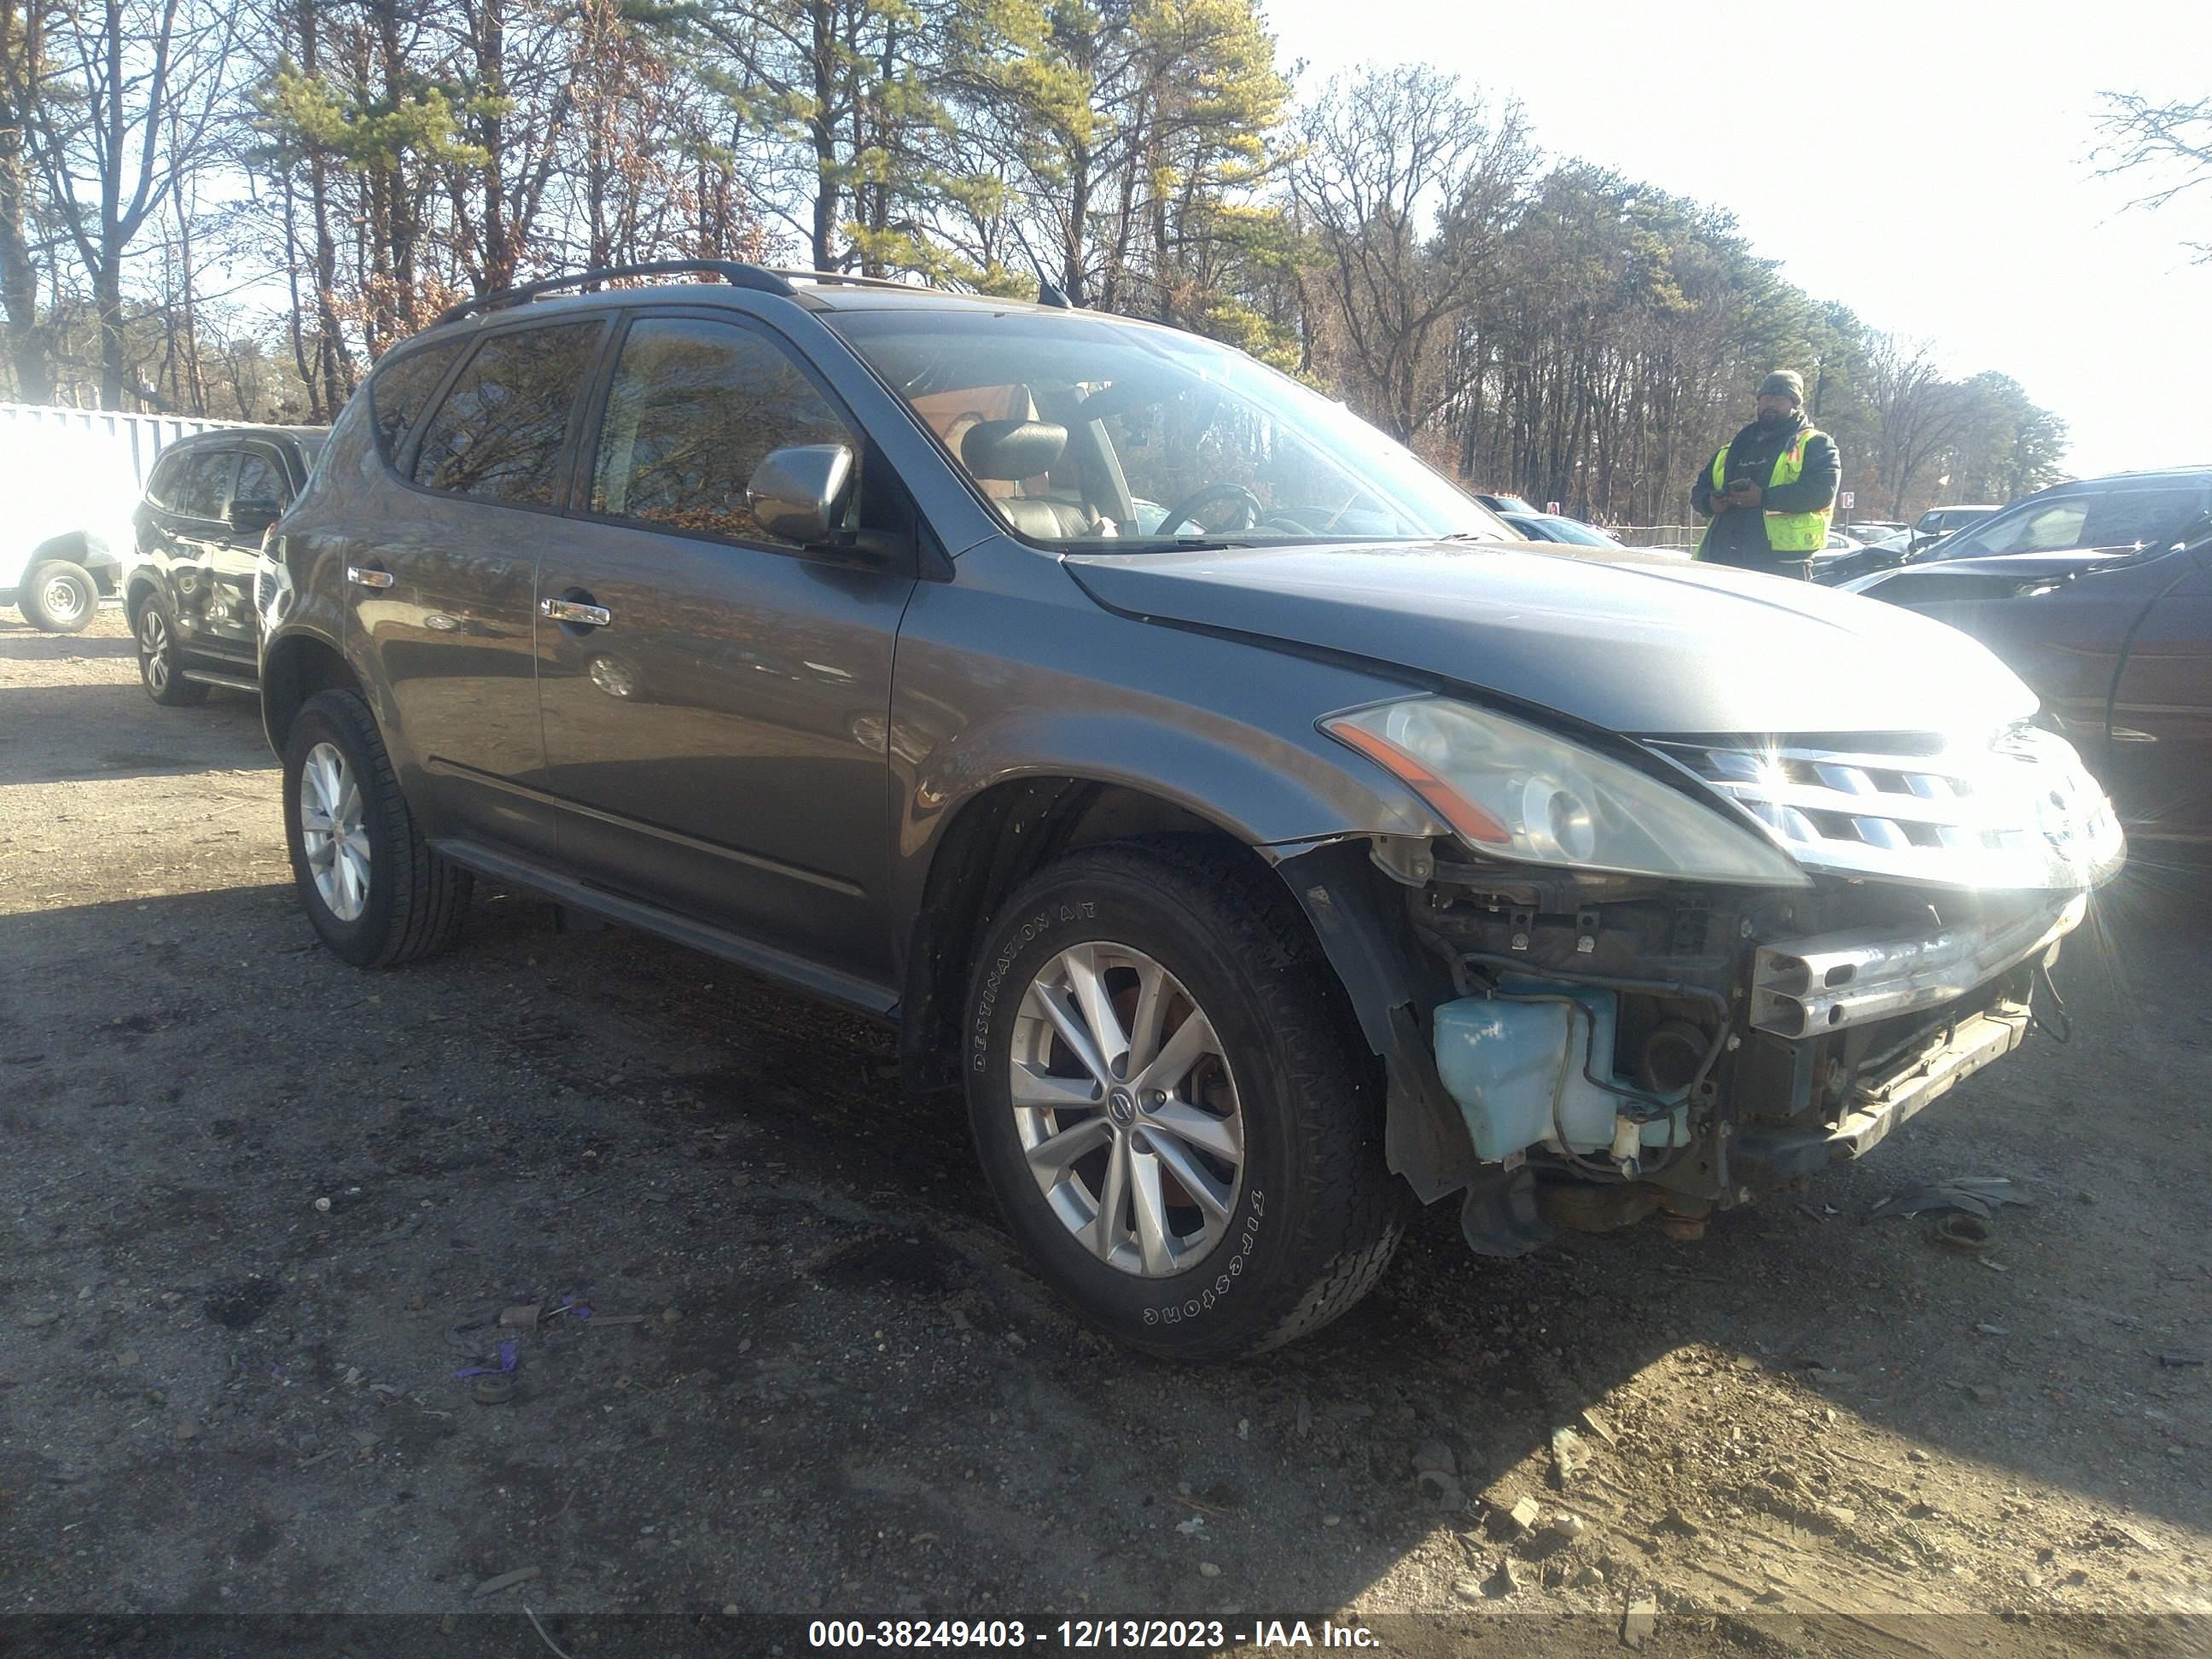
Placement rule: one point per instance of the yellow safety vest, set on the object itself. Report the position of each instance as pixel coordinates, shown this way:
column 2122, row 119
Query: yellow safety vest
column 1786, row 532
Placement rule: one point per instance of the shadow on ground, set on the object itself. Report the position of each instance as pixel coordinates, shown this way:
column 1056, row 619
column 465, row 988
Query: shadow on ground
column 271, row 1205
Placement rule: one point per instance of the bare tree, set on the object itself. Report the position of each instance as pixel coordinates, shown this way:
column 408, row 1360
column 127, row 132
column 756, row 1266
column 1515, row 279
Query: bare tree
column 22, row 48
column 1920, row 414
column 118, row 110
column 2169, row 144
column 1408, row 187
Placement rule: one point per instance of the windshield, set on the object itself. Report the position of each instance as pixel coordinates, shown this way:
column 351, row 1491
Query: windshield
column 1081, row 429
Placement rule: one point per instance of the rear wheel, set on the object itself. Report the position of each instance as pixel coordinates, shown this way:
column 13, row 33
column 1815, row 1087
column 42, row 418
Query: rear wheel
column 370, row 883
column 161, row 664
column 1173, row 1105
column 59, row 597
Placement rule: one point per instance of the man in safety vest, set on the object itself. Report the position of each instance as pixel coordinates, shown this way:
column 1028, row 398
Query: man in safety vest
column 1770, row 488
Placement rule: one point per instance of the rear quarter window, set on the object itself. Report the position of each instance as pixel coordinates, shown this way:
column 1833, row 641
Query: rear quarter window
column 161, row 483
column 401, row 387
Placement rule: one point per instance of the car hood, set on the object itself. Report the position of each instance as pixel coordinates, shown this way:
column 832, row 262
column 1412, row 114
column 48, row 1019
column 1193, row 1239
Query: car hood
column 1997, row 577
column 1630, row 642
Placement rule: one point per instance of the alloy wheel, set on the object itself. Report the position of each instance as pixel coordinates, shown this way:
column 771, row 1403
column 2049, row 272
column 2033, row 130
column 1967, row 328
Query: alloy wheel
column 1126, row 1109
column 333, row 832
column 154, row 650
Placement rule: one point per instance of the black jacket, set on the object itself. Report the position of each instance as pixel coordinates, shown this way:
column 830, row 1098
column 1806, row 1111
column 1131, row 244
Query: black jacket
column 1741, row 534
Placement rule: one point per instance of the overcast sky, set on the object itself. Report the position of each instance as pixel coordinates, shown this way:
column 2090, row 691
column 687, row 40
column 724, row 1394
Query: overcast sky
column 1926, row 164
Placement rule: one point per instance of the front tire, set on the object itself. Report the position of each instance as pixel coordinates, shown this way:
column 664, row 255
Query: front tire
column 1173, row 1104
column 160, row 662
column 59, row 597
column 370, row 882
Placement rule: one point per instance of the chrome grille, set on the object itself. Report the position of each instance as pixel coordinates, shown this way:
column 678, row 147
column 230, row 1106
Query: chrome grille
column 2015, row 809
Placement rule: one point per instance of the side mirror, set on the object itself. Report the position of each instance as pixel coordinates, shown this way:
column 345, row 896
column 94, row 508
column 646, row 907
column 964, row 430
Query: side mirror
column 250, row 518
column 798, row 494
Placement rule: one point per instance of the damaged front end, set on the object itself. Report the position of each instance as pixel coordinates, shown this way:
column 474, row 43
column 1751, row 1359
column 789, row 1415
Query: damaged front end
column 1599, row 1044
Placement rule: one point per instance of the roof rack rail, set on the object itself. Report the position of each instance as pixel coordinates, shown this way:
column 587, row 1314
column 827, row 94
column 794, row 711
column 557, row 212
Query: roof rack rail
column 844, row 277
column 732, row 271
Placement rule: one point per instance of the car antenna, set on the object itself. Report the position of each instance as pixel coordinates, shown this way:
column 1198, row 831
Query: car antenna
column 1048, row 294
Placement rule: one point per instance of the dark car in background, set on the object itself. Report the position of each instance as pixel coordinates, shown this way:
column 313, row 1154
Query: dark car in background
column 2121, row 512
column 197, row 531
column 1555, row 527
column 2116, row 641
column 1254, row 871
column 1498, row 501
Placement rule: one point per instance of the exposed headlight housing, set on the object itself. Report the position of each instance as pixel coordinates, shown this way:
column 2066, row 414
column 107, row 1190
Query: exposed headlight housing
column 1513, row 791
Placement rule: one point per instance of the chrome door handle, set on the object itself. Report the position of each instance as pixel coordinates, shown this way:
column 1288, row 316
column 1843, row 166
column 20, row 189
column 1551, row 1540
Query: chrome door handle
column 362, row 576
column 568, row 610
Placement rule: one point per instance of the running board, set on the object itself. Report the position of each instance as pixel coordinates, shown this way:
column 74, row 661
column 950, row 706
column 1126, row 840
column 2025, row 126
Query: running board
column 879, row 1001
column 231, row 682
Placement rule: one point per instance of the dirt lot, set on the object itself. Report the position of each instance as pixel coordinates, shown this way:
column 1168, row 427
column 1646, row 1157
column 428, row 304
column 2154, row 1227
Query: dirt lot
column 261, row 1207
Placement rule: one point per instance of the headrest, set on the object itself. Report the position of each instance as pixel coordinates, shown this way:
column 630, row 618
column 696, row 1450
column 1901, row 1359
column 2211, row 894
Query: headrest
column 1012, row 449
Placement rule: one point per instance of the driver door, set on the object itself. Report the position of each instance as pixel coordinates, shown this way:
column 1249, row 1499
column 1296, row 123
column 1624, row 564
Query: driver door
column 717, row 745
column 2159, row 761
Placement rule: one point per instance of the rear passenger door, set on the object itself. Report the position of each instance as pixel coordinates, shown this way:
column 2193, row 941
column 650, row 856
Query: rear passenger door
column 442, row 587
column 259, row 486
column 187, row 534
column 717, row 744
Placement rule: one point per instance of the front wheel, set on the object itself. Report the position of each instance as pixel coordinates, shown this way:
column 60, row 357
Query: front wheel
column 1173, row 1105
column 59, row 597
column 370, row 883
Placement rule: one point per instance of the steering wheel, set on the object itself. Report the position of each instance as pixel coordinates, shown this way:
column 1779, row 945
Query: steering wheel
column 1253, row 509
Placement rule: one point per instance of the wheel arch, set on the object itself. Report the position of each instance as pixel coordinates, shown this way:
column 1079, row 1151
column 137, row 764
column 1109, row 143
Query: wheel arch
column 995, row 840
column 1352, row 910
column 295, row 668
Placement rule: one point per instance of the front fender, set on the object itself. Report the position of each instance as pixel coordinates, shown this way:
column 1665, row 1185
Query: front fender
column 1012, row 673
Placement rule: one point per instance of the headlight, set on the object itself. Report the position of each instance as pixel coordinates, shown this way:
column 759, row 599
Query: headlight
column 1516, row 791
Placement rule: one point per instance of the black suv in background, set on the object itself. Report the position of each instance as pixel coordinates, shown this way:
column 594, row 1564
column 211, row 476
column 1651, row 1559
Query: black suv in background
column 1257, row 835
column 2122, row 512
column 197, row 529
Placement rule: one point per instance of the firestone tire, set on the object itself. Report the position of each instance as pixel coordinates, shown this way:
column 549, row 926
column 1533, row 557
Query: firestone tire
column 59, row 597
column 1315, row 1216
column 402, row 902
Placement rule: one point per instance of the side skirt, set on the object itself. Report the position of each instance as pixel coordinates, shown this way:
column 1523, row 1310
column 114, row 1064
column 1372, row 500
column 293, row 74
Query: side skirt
column 877, row 1001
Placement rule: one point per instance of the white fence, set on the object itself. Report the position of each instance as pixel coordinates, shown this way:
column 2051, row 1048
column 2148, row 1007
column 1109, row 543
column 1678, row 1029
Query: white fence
column 69, row 479
column 128, row 443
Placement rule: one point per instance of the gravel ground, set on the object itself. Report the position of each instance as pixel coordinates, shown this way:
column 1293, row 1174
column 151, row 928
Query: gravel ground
column 261, row 1206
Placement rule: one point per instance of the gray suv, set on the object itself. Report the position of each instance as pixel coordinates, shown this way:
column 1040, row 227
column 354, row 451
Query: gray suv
column 1259, row 836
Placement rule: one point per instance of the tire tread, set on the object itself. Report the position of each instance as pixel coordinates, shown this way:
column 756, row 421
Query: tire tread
column 430, row 894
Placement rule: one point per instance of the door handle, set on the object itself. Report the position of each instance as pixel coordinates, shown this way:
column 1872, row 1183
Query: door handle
column 365, row 576
column 570, row 610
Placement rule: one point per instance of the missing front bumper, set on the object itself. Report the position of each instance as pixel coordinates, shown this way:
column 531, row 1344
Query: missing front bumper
column 1765, row 1155
column 1805, row 987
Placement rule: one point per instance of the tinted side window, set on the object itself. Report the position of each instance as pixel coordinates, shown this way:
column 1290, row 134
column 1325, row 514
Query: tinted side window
column 260, row 483
column 499, row 435
column 401, row 386
column 2049, row 527
column 694, row 408
column 161, row 483
column 2154, row 518
column 204, row 489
